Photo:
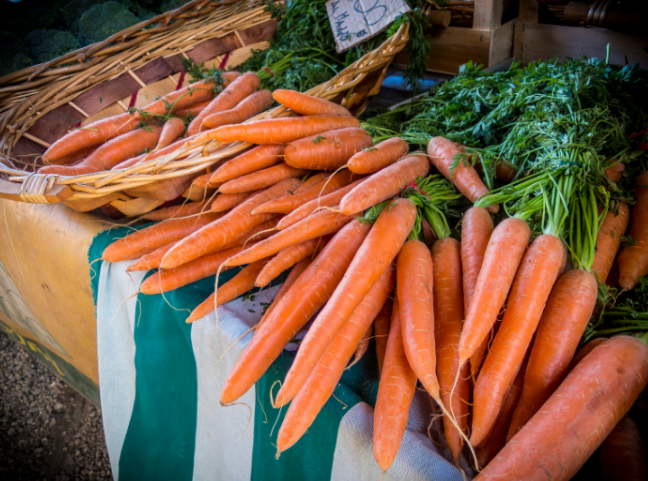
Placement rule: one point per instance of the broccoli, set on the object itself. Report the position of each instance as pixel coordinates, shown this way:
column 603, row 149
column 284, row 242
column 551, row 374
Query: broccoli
column 23, row 17
column 104, row 20
column 45, row 45
column 13, row 54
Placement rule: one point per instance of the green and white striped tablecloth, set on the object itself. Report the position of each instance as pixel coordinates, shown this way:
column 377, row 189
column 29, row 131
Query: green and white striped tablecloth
column 160, row 384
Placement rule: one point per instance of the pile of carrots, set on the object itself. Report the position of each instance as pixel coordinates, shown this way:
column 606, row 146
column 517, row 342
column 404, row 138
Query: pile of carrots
column 489, row 323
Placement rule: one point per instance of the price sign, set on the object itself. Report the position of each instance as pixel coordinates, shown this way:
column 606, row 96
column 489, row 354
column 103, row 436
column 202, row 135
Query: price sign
column 354, row 21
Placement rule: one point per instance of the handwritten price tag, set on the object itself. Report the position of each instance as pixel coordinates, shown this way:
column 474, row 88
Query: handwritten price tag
column 354, row 21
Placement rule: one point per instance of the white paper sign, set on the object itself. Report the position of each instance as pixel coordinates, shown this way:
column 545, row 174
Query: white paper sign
column 354, row 21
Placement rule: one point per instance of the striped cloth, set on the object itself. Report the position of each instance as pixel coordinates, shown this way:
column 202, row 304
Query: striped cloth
column 160, row 384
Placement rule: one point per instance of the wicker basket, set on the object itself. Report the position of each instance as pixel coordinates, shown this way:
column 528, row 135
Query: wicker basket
column 41, row 103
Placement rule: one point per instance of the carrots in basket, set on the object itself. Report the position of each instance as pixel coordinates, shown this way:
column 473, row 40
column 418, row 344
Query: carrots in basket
column 248, row 108
column 327, row 150
column 307, row 105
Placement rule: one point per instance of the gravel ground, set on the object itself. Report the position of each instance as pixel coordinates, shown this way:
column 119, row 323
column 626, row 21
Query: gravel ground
column 47, row 430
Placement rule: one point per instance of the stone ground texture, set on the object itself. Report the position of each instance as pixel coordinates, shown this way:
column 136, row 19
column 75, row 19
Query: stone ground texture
column 48, row 431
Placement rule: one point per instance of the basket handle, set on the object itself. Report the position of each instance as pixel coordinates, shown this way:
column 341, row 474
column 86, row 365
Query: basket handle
column 12, row 191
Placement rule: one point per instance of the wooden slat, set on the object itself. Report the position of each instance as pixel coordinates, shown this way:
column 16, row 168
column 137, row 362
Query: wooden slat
column 154, row 71
column 11, row 191
column 529, row 11
column 101, row 96
column 501, row 46
column 488, row 14
column 55, row 124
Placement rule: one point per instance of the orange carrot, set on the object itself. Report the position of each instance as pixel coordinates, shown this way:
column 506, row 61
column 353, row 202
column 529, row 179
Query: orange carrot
column 150, row 238
column 363, row 346
column 307, row 105
column 529, row 294
column 318, row 225
column 166, row 150
column 111, row 153
column 383, row 243
column 287, row 204
column 177, row 211
column 172, row 129
column 280, row 131
column 229, row 98
column 608, row 240
column 287, row 258
column 236, row 286
column 152, row 260
column 326, row 375
column 623, row 452
column 260, row 157
column 203, row 182
column 237, row 221
column 415, row 291
column 464, row 176
column 562, row 325
column 587, row 348
column 73, row 158
column 225, row 202
column 194, row 109
column 248, row 108
column 312, row 181
column 615, row 172
column 261, row 179
column 311, row 290
column 476, row 230
column 385, row 184
column 501, row 260
column 327, row 150
column 578, row 417
column 429, row 236
column 448, row 321
column 395, row 394
column 295, row 272
column 373, row 159
column 129, row 162
column 381, row 326
column 329, row 200
column 633, row 259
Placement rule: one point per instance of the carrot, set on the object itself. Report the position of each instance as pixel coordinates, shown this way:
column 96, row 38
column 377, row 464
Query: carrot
column 171, row 130
column 327, row 150
column 464, row 176
column 623, row 452
column 373, row 159
column 153, row 237
column 578, row 417
column 395, row 394
column 587, row 348
column 167, row 150
column 633, row 259
column 501, row 260
column 294, row 274
column 317, row 225
column 280, row 131
column 236, row 286
column 129, row 162
column 381, row 326
column 561, row 327
column 311, row 290
column 152, row 260
column 307, row 105
column 529, row 294
column 203, row 182
column 194, row 109
column 363, row 346
column 260, row 157
column 230, row 97
column 225, row 202
column 326, row 375
column 385, row 184
column 416, row 299
column 448, row 322
column 428, row 233
column 476, row 230
column 329, row 200
column 236, row 222
column 608, row 240
column 111, row 153
column 73, row 158
column 505, row 171
column 615, row 172
column 177, row 211
column 383, row 243
column 261, row 179
column 248, row 108
column 287, row 258
column 312, row 181
column 496, row 439
column 288, row 203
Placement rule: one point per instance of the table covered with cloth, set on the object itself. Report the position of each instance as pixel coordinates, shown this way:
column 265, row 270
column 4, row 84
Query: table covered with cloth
column 160, row 381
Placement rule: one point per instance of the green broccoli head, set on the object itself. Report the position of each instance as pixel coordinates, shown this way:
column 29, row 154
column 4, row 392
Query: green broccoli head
column 46, row 45
column 13, row 54
column 104, row 20
column 25, row 16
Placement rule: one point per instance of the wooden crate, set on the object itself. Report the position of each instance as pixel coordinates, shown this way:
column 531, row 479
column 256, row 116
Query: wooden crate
column 488, row 42
column 535, row 41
